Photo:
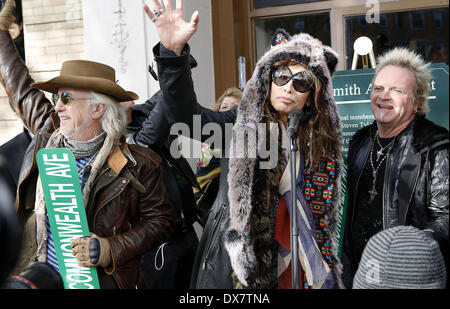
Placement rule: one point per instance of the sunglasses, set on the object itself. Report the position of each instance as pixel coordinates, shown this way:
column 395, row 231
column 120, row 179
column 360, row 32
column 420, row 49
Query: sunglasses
column 65, row 98
column 302, row 81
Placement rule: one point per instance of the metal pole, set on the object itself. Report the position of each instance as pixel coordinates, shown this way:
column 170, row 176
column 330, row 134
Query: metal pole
column 294, row 229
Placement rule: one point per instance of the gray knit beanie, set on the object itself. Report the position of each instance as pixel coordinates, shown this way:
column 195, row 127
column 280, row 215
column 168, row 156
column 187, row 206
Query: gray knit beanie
column 402, row 257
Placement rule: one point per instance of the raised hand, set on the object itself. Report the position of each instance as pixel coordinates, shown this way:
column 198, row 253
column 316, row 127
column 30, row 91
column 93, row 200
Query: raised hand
column 174, row 32
column 6, row 16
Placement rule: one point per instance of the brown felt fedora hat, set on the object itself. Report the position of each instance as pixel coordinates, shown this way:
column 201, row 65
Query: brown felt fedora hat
column 87, row 75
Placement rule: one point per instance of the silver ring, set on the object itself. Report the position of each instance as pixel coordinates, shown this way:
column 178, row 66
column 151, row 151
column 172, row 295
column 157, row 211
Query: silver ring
column 154, row 19
column 157, row 12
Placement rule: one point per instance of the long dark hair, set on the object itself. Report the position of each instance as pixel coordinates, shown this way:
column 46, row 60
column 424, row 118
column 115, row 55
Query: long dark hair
column 314, row 137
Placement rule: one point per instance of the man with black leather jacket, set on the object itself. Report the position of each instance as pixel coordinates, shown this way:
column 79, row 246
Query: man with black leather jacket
column 398, row 167
column 170, row 265
column 212, row 267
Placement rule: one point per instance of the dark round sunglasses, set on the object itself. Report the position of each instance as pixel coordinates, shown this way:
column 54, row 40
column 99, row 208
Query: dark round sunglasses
column 65, row 98
column 302, row 81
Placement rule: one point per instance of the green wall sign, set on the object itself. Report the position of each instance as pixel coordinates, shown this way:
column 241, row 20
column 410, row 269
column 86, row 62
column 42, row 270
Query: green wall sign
column 352, row 94
column 66, row 213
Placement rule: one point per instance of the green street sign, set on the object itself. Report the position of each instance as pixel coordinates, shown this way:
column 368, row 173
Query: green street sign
column 352, row 89
column 66, row 213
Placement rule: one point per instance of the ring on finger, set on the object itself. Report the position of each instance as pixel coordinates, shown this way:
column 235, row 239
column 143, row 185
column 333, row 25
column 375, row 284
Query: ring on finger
column 156, row 13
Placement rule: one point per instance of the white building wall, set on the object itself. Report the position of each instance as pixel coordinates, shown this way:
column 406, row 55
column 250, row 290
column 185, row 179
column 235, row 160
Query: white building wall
column 60, row 30
column 119, row 33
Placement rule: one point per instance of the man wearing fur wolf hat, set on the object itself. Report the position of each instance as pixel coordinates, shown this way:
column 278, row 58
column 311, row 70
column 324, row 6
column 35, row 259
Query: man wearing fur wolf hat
column 295, row 74
column 122, row 187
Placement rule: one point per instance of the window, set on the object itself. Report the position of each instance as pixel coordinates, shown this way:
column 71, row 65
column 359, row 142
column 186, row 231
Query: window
column 438, row 19
column 317, row 25
column 425, row 31
column 259, row 4
column 417, row 20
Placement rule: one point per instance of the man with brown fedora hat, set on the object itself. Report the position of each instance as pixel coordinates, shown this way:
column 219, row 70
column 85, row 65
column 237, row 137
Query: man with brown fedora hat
column 126, row 202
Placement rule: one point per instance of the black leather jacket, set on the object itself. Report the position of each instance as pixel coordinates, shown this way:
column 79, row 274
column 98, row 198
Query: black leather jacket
column 212, row 266
column 127, row 204
column 176, row 83
column 416, row 183
column 150, row 128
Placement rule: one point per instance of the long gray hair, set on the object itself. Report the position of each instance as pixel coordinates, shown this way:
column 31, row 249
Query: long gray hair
column 114, row 120
column 114, row 123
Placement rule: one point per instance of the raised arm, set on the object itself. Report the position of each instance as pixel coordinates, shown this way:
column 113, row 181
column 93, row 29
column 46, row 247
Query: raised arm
column 149, row 126
column 30, row 104
column 174, row 69
column 174, row 32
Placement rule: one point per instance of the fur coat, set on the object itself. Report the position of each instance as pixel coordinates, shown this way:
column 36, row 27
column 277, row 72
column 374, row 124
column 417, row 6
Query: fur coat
column 253, row 187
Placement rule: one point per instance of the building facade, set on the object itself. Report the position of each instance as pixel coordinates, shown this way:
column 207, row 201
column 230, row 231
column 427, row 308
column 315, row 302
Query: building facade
column 118, row 33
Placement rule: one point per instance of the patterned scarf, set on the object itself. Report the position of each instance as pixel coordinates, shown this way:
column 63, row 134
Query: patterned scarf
column 311, row 261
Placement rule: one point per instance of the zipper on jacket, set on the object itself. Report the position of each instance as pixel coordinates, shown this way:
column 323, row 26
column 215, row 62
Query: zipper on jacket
column 384, row 190
column 427, row 174
column 427, row 184
column 215, row 229
column 117, row 281
column 98, row 210
column 102, row 205
column 114, row 230
column 385, row 186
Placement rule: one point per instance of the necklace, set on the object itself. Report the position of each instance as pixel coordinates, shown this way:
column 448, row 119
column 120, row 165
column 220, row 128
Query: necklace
column 373, row 192
column 381, row 151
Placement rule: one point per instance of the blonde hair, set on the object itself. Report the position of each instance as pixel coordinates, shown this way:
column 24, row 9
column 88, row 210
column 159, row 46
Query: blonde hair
column 114, row 119
column 230, row 92
column 402, row 57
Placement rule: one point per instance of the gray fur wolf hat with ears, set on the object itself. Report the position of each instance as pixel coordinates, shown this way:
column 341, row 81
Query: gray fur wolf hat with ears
column 252, row 191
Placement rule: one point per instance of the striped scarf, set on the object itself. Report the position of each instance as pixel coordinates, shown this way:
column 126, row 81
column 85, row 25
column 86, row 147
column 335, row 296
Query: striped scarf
column 100, row 148
column 311, row 262
column 82, row 177
column 317, row 271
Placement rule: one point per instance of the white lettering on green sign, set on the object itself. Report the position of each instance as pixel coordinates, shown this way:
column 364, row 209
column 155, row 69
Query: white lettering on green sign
column 66, row 214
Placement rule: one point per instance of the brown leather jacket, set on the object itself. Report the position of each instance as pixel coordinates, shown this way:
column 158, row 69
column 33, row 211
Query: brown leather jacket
column 127, row 204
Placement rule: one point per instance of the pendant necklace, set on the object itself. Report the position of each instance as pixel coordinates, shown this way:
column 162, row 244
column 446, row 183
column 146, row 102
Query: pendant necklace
column 381, row 151
column 373, row 192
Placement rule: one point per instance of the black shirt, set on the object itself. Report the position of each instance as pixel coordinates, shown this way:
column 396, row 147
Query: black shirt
column 368, row 216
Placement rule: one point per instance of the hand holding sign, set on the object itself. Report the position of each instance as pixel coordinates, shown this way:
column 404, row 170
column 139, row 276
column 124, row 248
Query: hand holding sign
column 92, row 251
column 66, row 214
